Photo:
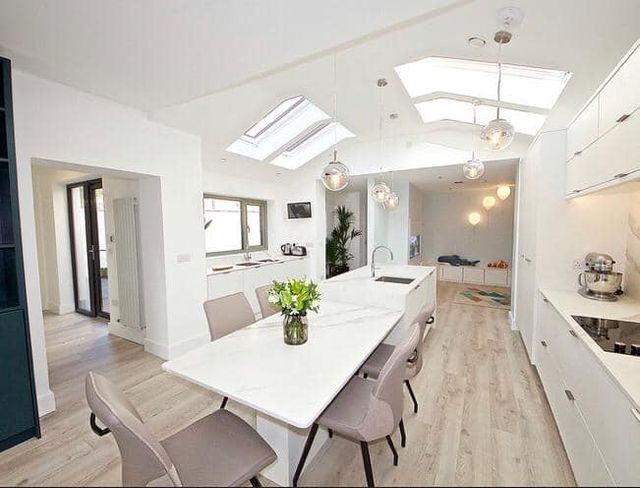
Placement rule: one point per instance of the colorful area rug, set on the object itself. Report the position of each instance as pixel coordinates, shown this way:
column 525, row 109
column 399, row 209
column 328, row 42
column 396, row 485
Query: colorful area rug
column 487, row 297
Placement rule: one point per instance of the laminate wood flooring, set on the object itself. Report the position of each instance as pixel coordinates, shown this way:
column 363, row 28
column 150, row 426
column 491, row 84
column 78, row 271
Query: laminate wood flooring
column 483, row 419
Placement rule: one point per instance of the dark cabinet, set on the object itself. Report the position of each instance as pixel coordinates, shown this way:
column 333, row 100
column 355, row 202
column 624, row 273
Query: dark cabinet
column 18, row 409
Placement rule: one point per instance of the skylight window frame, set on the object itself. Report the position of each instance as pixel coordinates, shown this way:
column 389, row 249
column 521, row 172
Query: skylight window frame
column 300, row 100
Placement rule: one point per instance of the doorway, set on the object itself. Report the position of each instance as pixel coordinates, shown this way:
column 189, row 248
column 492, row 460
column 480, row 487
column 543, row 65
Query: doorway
column 88, row 248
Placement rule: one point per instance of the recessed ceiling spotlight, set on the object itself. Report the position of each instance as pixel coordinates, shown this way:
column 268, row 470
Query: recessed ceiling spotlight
column 477, row 41
column 223, row 160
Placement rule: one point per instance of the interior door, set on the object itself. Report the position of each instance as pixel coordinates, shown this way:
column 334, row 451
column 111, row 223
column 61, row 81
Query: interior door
column 88, row 248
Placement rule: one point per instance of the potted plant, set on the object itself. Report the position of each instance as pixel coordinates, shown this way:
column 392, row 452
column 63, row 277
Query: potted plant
column 294, row 298
column 338, row 243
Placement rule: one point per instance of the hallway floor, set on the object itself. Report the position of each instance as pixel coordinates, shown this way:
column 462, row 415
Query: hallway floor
column 483, row 419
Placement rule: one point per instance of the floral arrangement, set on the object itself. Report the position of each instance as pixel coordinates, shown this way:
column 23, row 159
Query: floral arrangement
column 294, row 297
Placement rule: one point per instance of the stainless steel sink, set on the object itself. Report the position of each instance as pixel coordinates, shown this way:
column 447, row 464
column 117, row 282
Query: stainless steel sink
column 268, row 260
column 395, row 279
column 247, row 264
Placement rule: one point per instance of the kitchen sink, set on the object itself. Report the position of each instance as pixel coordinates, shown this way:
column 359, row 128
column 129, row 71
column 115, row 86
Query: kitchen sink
column 268, row 260
column 247, row 264
column 395, row 279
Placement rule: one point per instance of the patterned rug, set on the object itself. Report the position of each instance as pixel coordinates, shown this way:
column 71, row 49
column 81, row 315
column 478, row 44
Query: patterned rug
column 487, row 297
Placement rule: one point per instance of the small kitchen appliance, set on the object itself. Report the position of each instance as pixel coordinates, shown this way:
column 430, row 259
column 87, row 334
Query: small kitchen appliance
column 599, row 281
column 286, row 249
column 618, row 336
column 298, row 250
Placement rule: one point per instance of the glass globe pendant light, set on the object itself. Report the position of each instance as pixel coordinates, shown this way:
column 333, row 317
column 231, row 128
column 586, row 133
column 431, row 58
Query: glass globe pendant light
column 473, row 168
column 380, row 192
column 335, row 175
column 499, row 133
column 392, row 201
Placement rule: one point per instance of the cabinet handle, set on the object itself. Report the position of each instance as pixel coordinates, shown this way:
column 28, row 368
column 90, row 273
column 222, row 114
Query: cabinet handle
column 623, row 117
column 577, row 153
column 544, row 344
column 621, row 175
column 528, row 260
column 545, row 299
column 573, row 333
column 569, row 395
column 636, row 414
column 576, row 191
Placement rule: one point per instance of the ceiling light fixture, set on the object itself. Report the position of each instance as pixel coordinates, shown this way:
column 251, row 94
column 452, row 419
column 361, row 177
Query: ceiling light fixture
column 473, row 168
column 335, row 175
column 499, row 133
column 474, row 218
column 503, row 192
column 477, row 42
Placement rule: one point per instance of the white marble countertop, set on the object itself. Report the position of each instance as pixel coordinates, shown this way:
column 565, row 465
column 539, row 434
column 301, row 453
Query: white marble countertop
column 624, row 369
column 362, row 280
column 293, row 384
column 278, row 260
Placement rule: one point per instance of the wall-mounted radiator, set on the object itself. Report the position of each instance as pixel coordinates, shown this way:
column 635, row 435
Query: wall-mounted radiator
column 126, row 246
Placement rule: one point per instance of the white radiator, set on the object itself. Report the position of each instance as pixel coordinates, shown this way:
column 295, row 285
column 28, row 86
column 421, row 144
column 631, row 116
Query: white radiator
column 125, row 233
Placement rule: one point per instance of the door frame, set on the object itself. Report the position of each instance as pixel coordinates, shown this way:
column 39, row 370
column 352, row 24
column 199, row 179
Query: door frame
column 93, row 247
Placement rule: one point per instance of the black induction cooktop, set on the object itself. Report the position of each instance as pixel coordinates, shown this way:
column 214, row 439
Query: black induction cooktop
column 616, row 336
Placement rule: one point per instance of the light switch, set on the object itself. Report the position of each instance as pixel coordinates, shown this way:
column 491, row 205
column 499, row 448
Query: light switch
column 184, row 258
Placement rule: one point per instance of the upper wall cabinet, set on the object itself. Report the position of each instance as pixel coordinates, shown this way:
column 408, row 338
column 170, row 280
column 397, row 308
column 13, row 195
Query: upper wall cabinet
column 603, row 147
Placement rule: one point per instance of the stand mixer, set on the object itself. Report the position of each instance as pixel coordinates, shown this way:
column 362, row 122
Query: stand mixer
column 599, row 281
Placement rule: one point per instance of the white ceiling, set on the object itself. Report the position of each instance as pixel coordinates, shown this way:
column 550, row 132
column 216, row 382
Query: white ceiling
column 213, row 68
column 155, row 53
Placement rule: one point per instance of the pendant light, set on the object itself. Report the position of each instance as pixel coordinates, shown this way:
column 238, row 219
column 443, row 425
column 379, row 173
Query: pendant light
column 381, row 191
column 499, row 133
column 393, row 200
column 335, row 175
column 473, row 168
column 488, row 202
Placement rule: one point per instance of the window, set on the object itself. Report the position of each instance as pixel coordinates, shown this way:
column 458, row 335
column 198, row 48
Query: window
column 230, row 223
column 290, row 134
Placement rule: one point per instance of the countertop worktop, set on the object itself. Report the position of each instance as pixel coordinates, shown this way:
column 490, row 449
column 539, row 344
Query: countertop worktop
column 624, row 369
column 255, row 367
column 279, row 260
column 361, row 279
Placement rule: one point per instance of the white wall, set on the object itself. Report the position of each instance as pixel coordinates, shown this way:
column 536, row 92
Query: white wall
column 632, row 267
column 355, row 201
column 446, row 229
column 416, row 219
column 59, row 123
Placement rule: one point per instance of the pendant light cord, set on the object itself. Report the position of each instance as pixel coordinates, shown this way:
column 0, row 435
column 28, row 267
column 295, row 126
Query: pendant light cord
column 499, row 77
column 381, row 85
column 335, row 106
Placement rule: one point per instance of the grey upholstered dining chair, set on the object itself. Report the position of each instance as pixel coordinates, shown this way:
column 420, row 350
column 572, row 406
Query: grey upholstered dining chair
column 220, row 449
column 226, row 315
column 381, row 355
column 266, row 309
column 367, row 410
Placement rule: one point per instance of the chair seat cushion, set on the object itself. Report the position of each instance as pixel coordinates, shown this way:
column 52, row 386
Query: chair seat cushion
column 374, row 363
column 220, row 449
column 346, row 414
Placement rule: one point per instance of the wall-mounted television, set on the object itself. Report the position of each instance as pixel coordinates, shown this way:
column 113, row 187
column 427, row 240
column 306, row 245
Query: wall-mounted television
column 299, row 210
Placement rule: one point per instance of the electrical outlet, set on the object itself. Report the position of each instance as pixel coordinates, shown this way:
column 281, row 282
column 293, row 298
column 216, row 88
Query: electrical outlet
column 578, row 264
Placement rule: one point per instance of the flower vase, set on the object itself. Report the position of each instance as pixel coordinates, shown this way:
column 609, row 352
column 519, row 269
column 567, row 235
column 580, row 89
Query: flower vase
column 296, row 329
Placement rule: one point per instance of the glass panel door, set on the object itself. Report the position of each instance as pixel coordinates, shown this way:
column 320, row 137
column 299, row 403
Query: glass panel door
column 89, row 248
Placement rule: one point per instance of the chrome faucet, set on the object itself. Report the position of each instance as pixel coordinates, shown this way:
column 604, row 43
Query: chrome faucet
column 373, row 258
column 247, row 254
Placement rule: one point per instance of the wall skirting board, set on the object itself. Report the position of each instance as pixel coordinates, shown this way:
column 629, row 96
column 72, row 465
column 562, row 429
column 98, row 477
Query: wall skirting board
column 512, row 320
column 46, row 403
column 133, row 335
column 164, row 352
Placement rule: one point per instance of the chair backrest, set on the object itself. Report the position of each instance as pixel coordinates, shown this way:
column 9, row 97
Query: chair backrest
column 266, row 308
column 389, row 384
column 228, row 314
column 423, row 316
column 143, row 457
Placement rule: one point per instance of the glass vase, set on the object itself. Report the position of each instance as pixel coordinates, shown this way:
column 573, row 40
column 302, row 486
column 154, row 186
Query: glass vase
column 296, row 329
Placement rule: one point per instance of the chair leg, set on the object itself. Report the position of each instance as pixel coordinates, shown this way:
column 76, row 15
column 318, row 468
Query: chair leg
column 403, row 434
column 413, row 396
column 305, row 453
column 224, row 402
column 393, row 450
column 255, row 482
column 330, row 433
column 364, row 447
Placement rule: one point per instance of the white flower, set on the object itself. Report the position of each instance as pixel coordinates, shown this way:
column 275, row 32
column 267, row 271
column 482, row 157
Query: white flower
column 294, row 299
column 274, row 298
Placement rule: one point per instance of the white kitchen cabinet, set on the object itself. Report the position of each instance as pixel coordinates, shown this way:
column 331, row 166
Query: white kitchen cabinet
column 610, row 417
column 451, row 273
column 602, row 144
column 583, row 131
column 223, row 284
column 497, row 277
column 620, row 96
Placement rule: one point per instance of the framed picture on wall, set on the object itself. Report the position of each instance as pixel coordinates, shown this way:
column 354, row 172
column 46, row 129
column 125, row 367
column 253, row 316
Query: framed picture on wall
column 299, row 210
column 414, row 246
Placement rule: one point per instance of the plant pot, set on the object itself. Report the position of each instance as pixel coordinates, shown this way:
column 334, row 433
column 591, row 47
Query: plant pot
column 295, row 329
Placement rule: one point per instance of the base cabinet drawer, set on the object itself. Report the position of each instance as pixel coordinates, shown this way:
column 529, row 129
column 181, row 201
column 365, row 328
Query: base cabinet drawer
column 451, row 273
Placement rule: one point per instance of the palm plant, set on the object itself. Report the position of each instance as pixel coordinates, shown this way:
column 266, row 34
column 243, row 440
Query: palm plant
column 338, row 243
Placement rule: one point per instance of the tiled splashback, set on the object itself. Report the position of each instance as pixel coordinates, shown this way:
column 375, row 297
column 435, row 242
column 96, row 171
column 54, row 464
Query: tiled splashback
column 632, row 268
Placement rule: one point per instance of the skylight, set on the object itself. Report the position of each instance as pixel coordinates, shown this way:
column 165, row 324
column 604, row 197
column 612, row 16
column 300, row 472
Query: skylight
column 292, row 133
column 523, row 85
column 462, row 111
column 308, row 147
